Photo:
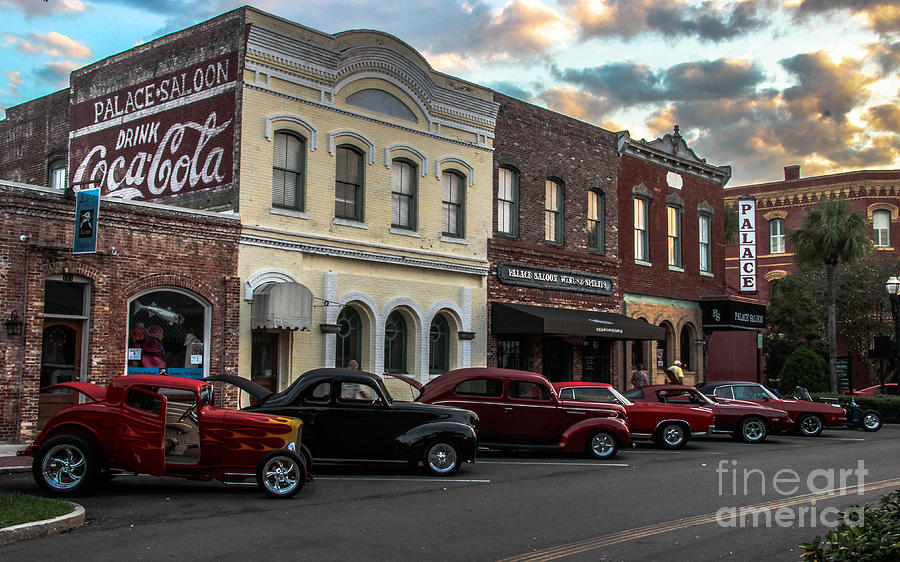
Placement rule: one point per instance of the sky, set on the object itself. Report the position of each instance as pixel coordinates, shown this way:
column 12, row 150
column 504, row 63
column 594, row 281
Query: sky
column 754, row 84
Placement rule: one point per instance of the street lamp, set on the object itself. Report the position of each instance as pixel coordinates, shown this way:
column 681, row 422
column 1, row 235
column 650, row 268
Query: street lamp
column 893, row 289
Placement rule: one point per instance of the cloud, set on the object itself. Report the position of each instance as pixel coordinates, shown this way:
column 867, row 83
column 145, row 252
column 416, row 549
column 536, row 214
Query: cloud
column 882, row 16
column 825, row 89
column 629, row 83
column 511, row 89
column 14, row 81
column 57, row 72
column 574, row 103
column 53, row 44
column 36, row 8
column 884, row 117
column 629, row 18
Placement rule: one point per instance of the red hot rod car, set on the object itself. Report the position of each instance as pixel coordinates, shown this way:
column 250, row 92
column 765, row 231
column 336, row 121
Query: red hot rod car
column 165, row 426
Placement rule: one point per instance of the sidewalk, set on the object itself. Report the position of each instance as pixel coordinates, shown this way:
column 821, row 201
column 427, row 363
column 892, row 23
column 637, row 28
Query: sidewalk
column 9, row 462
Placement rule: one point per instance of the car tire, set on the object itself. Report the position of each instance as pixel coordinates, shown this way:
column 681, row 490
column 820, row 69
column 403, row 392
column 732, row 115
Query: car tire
column 281, row 474
column 810, row 425
column 672, row 436
column 66, row 465
column 871, row 420
column 441, row 458
column 752, row 430
column 602, row 445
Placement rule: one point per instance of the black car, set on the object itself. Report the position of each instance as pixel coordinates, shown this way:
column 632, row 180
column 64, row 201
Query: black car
column 349, row 416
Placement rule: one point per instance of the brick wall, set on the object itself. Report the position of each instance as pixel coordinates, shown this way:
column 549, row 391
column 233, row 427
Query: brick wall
column 33, row 135
column 154, row 247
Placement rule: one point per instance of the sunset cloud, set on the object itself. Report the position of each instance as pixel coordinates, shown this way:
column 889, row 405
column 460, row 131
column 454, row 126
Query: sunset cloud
column 56, row 73
column 53, row 44
column 36, row 8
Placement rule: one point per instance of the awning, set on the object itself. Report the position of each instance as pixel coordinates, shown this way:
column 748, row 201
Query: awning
column 281, row 305
column 508, row 318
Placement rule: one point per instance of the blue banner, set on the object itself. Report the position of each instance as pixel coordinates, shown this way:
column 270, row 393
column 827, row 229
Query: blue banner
column 87, row 207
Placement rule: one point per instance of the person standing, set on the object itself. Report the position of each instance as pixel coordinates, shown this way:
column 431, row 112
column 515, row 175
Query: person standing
column 639, row 378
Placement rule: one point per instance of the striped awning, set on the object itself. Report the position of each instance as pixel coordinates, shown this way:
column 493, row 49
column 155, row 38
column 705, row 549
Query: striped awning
column 281, row 306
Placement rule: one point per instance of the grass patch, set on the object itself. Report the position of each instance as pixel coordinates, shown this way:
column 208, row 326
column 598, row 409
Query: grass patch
column 16, row 509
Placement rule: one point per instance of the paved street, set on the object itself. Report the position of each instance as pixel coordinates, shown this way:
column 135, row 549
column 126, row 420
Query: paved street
column 646, row 504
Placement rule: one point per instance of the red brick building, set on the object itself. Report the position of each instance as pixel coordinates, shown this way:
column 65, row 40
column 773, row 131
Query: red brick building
column 781, row 206
column 167, row 273
column 554, row 288
column 672, row 247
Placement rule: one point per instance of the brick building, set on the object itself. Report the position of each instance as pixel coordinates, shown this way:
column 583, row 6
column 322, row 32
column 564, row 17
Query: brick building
column 672, row 247
column 780, row 206
column 554, row 284
column 166, row 273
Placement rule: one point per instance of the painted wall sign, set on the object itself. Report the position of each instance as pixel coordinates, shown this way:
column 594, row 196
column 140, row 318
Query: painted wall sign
column 173, row 134
column 87, row 210
column 561, row 280
column 747, row 245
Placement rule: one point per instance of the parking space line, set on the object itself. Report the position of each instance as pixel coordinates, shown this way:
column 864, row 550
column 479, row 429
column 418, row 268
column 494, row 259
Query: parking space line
column 556, row 463
column 395, row 479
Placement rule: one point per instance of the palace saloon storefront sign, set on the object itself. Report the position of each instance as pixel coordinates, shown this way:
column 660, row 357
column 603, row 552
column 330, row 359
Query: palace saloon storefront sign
column 558, row 279
column 173, row 134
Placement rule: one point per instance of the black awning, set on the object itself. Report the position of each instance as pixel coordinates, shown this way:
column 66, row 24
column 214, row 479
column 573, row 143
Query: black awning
column 508, row 318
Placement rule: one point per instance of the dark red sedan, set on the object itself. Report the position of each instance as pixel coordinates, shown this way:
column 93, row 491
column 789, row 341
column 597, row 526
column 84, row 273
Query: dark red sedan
column 746, row 421
column 669, row 425
column 520, row 410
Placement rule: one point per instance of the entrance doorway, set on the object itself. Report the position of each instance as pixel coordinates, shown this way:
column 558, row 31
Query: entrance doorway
column 557, row 359
column 264, row 360
column 60, row 362
column 595, row 358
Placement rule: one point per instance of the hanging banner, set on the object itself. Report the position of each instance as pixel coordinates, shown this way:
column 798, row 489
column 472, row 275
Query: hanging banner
column 747, row 247
column 87, row 207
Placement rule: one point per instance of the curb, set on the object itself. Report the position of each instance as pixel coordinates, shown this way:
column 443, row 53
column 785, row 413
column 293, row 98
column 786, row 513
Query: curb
column 14, row 469
column 43, row 528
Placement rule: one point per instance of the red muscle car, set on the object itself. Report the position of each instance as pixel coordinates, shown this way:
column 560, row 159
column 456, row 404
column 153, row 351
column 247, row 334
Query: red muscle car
column 669, row 425
column 746, row 421
column 165, row 426
column 520, row 410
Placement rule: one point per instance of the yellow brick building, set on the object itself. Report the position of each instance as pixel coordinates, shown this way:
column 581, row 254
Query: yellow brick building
column 365, row 188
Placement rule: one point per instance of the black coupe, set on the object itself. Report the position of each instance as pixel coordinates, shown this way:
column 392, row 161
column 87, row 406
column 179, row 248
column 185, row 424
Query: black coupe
column 349, row 416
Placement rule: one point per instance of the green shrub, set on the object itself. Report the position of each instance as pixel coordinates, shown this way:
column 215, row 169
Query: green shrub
column 878, row 538
column 803, row 368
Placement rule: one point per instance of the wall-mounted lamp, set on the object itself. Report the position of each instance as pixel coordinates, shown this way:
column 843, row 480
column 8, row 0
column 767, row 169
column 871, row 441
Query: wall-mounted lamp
column 13, row 325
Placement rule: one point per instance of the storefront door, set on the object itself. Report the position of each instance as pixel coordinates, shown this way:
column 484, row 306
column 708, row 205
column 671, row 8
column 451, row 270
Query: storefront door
column 595, row 360
column 264, row 360
column 557, row 359
column 60, row 362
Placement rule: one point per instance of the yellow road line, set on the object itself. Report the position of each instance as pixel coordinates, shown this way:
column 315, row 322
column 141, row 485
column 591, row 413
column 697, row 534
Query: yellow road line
column 586, row 545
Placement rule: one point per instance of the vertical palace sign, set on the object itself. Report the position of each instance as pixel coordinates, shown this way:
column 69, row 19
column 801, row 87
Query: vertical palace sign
column 747, row 247
column 172, row 134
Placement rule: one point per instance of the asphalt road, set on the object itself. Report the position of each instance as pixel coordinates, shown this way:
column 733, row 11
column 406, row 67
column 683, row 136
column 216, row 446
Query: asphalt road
column 647, row 504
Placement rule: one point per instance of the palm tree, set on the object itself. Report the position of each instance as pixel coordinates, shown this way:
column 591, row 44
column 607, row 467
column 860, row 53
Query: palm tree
column 832, row 233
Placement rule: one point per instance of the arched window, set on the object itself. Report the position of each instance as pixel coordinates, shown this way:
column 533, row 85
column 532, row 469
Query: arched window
column 349, row 338
column 687, row 348
column 553, row 211
column 348, row 184
column 395, row 343
column 508, row 202
column 403, row 194
column 453, row 202
column 168, row 334
column 288, row 169
column 641, row 229
column 596, row 220
column 881, row 228
column 439, row 346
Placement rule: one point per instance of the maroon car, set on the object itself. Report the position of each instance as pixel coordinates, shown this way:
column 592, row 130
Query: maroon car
column 809, row 418
column 520, row 410
column 669, row 425
column 165, row 426
column 746, row 421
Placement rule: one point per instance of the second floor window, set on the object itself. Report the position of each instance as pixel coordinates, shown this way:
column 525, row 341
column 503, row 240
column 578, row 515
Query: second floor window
column 508, row 202
column 348, row 184
column 705, row 245
column 881, row 228
column 641, row 230
column 453, row 204
column 403, row 195
column 673, row 237
column 553, row 212
column 58, row 174
column 776, row 236
column 287, row 172
column 595, row 220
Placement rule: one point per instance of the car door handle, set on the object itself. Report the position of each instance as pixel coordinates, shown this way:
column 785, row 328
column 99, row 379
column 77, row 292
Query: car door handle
column 582, row 412
column 508, row 409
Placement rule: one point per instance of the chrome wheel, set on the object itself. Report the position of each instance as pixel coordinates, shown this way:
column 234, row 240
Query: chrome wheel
column 672, row 436
column 64, row 466
column 810, row 425
column 753, row 430
column 441, row 459
column 281, row 475
column 602, row 446
column 871, row 421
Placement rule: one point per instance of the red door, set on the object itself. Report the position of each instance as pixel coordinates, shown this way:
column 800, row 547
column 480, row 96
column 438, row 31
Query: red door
column 139, row 433
column 532, row 413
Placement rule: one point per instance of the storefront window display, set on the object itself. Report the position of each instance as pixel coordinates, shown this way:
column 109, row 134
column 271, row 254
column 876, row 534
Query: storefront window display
column 166, row 331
